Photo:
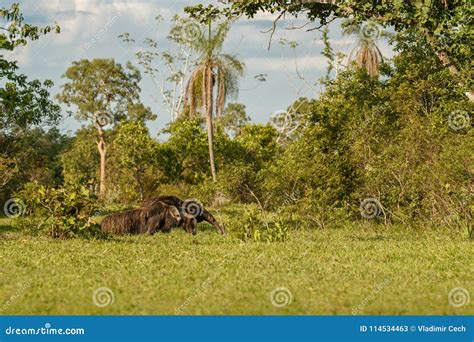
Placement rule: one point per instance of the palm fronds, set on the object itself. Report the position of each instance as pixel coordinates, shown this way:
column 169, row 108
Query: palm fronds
column 366, row 54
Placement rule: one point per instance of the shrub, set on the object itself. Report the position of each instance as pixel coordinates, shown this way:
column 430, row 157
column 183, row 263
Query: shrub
column 256, row 227
column 236, row 180
column 64, row 212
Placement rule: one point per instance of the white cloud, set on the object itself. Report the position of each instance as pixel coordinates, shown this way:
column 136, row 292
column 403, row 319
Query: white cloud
column 92, row 22
column 278, row 64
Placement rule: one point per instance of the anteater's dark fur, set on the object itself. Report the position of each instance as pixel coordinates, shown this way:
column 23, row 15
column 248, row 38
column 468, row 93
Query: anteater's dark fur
column 189, row 224
column 144, row 220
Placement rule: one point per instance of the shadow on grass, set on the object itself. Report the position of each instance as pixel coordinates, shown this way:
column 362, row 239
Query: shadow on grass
column 6, row 226
column 7, row 229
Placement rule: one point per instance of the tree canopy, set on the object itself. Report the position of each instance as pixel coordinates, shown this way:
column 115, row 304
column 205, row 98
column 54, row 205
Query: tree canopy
column 444, row 25
column 22, row 102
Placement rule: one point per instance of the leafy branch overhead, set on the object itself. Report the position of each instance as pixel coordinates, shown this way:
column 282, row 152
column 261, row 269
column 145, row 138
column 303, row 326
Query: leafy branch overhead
column 446, row 26
column 22, row 102
column 17, row 32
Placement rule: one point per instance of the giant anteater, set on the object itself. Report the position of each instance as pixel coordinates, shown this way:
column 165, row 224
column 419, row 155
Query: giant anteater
column 139, row 221
column 191, row 212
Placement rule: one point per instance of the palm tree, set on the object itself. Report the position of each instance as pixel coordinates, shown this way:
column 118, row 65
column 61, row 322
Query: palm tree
column 214, row 71
column 366, row 54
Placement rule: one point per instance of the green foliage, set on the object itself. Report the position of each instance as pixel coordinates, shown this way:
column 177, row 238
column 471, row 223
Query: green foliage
column 243, row 171
column 204, row 14
column 188, row 143
column 17, row 32
column 103, row 91
column 25, row 155
column 259, row 142
column 135, row 152
column 239, row 180
column 208, row 45
column 8, row 170
column 65, row 212
column 233, row 118
column 328, row 52
column 202, row 83
column 257, row 227
column 30, row 155
column 444, row 26
column 290, row 123
column 389, row 140
column 80, row 162
column 238, row 160
column 22, row 103
column 208, row 193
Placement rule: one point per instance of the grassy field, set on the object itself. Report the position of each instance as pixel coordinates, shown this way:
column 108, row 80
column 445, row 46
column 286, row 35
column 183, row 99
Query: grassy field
column 362, row 269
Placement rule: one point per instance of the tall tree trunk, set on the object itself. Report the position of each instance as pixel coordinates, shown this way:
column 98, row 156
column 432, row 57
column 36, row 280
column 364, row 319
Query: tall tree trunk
column 207, row 94
column 103, row 154
column 141, row 188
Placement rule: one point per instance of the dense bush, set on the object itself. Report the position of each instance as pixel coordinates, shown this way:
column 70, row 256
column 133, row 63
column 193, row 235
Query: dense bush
column 28, row 156
column 80, row 162
column 402, row 141
column 257, row 226
column 60, row 213
column 391, row 140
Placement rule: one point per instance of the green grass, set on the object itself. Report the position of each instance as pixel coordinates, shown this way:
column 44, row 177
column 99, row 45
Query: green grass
column 381, row 270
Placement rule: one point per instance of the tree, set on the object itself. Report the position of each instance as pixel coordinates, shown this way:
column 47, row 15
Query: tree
column 168, row 68
column 290, row 122
column 444, row 25
column 135, row 150
column 187, row 146
column 234, row 118
column 8, row 170
column 30, row 156
column 260, row 142
column 80, row 162
column 17, row 32
column 214, row 70
column 22, row 102
column 104, row 92
column 367, row 53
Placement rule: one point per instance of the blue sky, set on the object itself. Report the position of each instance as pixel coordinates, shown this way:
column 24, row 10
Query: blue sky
column 89, row 29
